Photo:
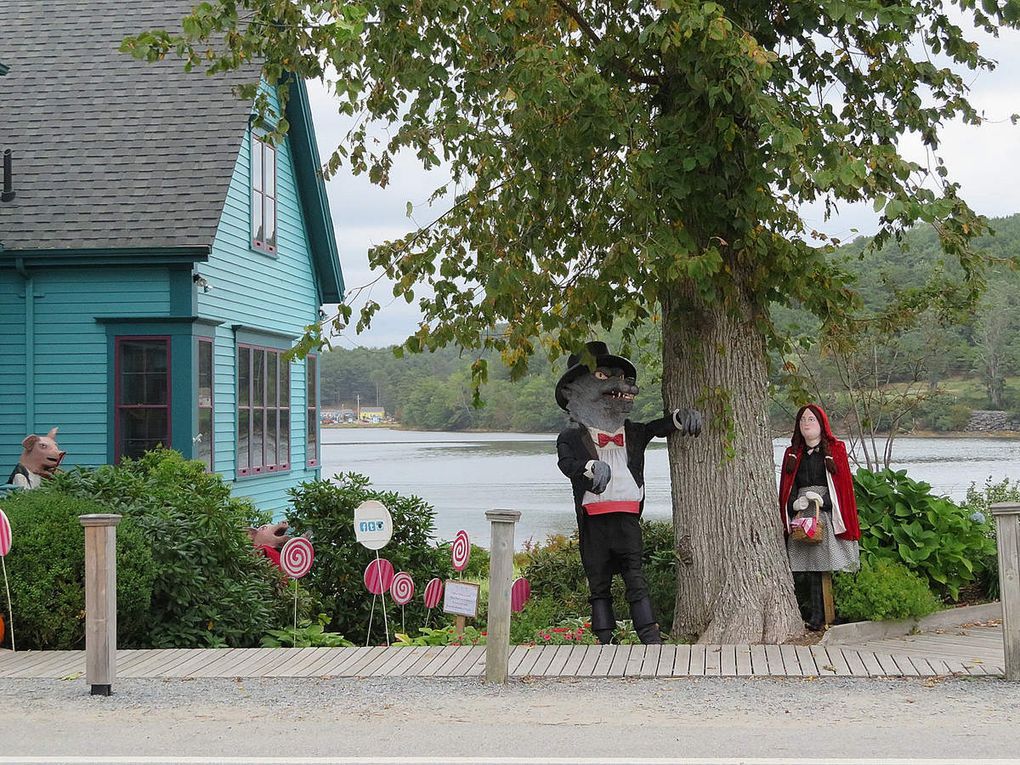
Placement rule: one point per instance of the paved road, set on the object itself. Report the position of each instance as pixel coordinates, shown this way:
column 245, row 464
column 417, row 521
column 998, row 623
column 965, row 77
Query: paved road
column 588, row 721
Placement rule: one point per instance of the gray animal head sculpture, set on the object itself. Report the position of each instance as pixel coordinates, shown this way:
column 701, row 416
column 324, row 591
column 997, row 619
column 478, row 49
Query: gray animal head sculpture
column 601, row 398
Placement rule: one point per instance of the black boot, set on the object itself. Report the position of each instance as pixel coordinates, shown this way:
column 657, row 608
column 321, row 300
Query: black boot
column 603, row 623
column 816, row 621
column 644, row 622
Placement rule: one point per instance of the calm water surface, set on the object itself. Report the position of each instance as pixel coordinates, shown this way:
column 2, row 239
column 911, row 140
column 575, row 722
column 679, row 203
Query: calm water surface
column 464, row 474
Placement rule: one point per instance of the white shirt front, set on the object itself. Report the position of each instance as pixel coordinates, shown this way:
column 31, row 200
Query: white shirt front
column 622, row 486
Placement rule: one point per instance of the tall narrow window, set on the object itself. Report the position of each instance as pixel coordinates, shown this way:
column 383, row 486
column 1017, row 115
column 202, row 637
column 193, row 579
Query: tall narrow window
column 263, row 411
column 205, row 403
column 312, row 404
column 263, row 195
column 142, row 395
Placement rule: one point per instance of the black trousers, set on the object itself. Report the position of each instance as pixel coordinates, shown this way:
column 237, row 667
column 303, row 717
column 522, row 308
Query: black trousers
column 611, row 544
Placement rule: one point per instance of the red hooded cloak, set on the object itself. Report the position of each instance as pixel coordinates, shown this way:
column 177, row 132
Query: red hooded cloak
column 839, row 473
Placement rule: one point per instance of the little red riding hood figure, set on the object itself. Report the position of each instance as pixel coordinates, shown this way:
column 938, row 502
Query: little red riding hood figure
column 815, row 469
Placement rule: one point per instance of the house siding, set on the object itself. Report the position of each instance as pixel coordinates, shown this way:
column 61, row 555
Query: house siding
column 275, row 294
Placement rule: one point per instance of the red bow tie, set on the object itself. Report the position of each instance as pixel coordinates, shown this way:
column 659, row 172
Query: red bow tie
column 605, row 438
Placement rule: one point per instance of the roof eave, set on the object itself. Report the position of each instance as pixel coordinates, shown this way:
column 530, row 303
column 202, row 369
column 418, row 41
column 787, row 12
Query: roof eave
column 312, row 191
column 108, row 256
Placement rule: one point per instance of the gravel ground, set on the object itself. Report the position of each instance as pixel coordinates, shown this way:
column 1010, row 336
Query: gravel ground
column 711, row 717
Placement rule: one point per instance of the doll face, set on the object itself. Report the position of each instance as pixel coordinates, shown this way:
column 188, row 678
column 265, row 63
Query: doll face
column 810, row 428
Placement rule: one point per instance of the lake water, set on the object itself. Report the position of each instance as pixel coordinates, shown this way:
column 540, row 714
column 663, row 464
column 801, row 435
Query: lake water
column 464, row 474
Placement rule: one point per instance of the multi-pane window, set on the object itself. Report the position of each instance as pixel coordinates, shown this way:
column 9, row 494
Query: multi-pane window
column 142, row 395
column 263, row 411
column 312, row 406
column 263, row 195
column 204, row 451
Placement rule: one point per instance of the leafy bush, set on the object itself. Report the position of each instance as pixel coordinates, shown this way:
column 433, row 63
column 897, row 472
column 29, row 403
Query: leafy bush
column 46, row 569
column 536, row 614
column 901, row 521
column 567, row 632
column 212, row 588
column 978, row 503
column 556, row 574
column 882, row 589
column 325, row 511
column 307, row 635
column 442, row 636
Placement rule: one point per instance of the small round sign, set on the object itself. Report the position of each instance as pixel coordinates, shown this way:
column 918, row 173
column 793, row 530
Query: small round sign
column 460, row 550
column 296, row 557
column 520, row 593
column 379, row 576
column 402, row 588
column 433, row 592
column 373, row 525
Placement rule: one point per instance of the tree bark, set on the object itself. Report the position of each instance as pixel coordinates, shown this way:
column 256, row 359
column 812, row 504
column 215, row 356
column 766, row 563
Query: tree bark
column 733, row 576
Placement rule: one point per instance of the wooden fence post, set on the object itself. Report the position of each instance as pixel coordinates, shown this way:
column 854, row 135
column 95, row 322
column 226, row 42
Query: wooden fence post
column 100, row 601
column 1007, row 522
column 501, row 569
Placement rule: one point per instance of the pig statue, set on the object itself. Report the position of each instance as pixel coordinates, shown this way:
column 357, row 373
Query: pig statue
column 270, row 539
column 39, row 460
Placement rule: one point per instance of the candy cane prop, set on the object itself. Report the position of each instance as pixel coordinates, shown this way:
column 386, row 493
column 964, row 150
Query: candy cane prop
column 296, row 559
column 5, row 547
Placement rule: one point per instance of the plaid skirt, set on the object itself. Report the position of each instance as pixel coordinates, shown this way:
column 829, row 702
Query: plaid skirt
column 831, row 554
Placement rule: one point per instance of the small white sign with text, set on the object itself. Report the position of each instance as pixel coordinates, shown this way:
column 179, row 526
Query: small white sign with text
column 460, row 598
column 373, row 525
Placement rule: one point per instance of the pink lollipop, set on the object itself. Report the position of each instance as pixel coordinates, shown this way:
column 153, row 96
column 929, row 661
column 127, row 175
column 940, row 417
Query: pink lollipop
column 520, row 592
column 5, row 534
column 378, row 576
column 433, row 593
column 460, row 550
column 402, row 588
column 296, row 557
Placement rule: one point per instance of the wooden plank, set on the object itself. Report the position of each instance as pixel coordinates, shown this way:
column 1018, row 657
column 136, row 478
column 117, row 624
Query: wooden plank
column 340, row 660
column 774, row 657
column 138, row 657
column 426, row 658
column 607, row 653
column 791, row 662
column 451, row 657
column 728, row 660
column 822, row 661
column 871, row 663
column 743, row 654
column 620, row 659
column 200, row 658
column 1008, row 546
column 357, row 668
column 466, row 659
column 807, row 661
column 975, row 668
column 412, row 654
column 38, row 663
column 837, row 661
column 256, row 659
column 667, row 659
column 528, row 661
column 889, row 666
column 650, row 664
column 939, row 666
column 635, row 660
column 317, row 661
column 853, row 661
column 577, row 654
column 591, row 658
column 713, row 660
column 293, row 661
column 699, row 658
column 218, row 668
column 759, row 660
column 517, row 654
column 545, row 657
column 559, row 660
column 166, row 658
column 180, row 660
column 372, row 667
column 921, row 664
column 682, row 662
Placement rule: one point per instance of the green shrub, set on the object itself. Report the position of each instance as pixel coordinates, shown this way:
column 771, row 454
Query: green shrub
column 901, row 521
column 556, row 574
column 567, row 632
column 978, row 504
column 442, row 636
column 537, row 614
column 307, row 635
column 212, row 588
column 46, row 569
column 882, row 589
column 325, row 511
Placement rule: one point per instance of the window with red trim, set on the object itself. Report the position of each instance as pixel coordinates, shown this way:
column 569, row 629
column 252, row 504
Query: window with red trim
column 204, row 450
column 263, row 195
column 312, row 410
column 263, row 410
column 142, row 394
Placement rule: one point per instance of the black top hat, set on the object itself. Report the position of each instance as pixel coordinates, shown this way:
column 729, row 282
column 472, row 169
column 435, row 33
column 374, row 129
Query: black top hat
column 603, row 358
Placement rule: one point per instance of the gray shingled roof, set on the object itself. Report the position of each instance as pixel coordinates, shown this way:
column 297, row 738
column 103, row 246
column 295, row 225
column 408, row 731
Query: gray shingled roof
column 108, row 151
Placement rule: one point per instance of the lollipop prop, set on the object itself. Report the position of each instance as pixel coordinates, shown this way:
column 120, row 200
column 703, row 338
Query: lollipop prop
column 378, row 579
column 433, row 596
column 402, row 590
column 5, row 547
column 373, row 528
column 296, row 558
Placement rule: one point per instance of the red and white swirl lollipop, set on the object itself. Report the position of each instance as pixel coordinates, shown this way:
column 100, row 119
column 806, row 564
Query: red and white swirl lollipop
column 402, row 588
column 379, row 576
column 296, row 557
column 433, row 592
column 460, row 550
column 5, row 534
column 520, row 593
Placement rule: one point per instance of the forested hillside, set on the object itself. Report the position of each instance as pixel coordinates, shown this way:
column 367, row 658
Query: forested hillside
column 931, row 373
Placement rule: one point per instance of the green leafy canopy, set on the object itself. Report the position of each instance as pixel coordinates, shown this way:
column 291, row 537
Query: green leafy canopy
column 605, row 154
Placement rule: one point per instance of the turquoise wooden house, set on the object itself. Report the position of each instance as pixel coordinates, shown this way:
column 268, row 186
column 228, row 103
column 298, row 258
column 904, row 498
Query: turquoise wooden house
column 157, row 255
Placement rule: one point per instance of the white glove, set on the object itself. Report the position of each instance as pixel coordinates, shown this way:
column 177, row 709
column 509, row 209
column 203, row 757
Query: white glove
column 812, row 496
column 799, row 504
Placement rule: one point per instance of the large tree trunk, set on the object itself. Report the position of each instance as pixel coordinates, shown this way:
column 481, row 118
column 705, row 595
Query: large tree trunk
column 733, row 579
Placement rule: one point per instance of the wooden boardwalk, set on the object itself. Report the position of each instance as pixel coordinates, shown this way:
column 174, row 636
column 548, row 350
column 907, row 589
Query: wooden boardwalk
column 953, row 652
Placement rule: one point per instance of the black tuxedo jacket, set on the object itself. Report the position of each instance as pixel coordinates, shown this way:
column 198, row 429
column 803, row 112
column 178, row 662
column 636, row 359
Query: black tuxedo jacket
column 575, row 448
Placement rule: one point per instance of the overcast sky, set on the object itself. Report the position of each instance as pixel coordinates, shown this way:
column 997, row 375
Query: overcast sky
column 984, row 160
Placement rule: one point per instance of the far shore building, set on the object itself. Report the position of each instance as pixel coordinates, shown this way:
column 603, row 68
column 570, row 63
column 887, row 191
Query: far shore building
column 158, row 256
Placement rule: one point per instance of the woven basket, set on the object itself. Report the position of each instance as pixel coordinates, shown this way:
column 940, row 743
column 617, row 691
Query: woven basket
column 798, row 535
